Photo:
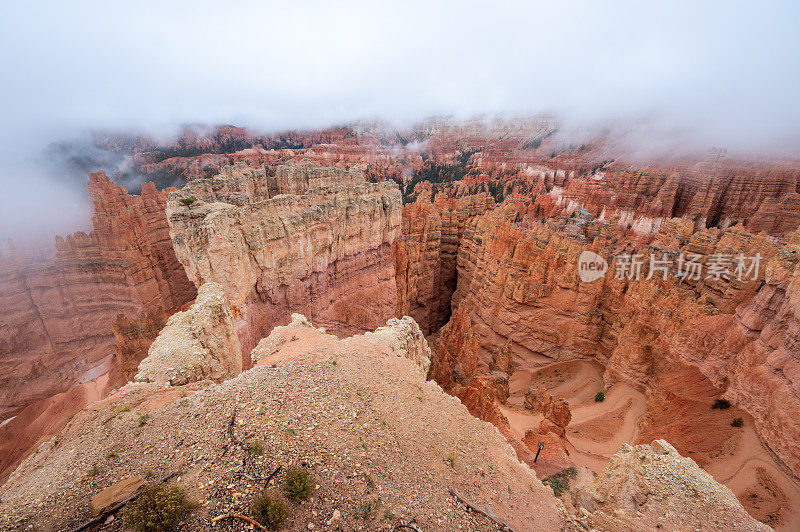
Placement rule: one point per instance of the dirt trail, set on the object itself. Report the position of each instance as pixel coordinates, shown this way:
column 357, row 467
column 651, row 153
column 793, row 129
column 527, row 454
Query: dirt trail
column 764, row 487
column 597, row 430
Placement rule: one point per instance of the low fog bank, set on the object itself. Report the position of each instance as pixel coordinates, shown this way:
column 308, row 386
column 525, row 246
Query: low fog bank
column 715, row 73
column 45, row 192
column 37, row 206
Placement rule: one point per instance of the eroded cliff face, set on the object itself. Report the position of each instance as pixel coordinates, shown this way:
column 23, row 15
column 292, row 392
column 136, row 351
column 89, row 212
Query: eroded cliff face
column 425, row 256
column 74, row 327
column 674, row 344
column 316, row 241
column 56, row 328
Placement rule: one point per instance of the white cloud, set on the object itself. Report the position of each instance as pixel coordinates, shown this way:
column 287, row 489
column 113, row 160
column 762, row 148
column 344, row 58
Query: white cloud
column 727, row 71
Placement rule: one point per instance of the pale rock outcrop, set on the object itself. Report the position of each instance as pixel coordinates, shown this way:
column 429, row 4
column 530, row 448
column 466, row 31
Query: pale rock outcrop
column 198, row 344
column 400, row 337
column 325, row 252
column 652, row 486
column 299, row 177
column 405, row 339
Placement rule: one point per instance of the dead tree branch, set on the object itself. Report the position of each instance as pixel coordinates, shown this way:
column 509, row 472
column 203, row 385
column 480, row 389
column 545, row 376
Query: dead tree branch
column 266, row 480
column 486, row 513
column 117, row 507
column 242, row 517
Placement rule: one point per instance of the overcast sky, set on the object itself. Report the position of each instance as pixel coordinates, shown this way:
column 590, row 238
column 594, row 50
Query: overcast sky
column 727, row 71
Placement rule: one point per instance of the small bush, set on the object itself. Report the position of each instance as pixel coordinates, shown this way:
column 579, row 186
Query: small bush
column 111, row 454
column 255, row 447
column 122, row 408
column 367, row 508
column 187, row 201
column 297, row 483
column 270, row 509
column 721, row 404
column 559, row 482
column 158, row 508
column 737, row 422
column 141, row 420
column 94, row 471
column 599, row 397
column 451, row 460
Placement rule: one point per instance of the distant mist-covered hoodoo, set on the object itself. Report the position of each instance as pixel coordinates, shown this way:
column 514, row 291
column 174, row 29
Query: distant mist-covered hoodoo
column 468, row 234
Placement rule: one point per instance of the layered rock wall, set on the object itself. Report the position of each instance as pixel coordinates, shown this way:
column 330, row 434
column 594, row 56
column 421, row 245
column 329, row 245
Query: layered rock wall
column 425, row 256
column 56, row 327
column 518, row 285
column 324, row 250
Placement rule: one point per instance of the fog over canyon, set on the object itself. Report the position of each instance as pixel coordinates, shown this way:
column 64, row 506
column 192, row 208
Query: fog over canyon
column 409, row 267
column 473, row 230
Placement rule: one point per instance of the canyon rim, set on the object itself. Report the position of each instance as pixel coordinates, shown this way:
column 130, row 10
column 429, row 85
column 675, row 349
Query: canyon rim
column 400, row 267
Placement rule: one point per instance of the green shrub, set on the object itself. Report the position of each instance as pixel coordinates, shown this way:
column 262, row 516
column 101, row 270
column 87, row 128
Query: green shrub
column 187, row 201
column 367, row 508
column 270, row 509
column 737, row 422
column 599, row 397
column 255, row 447
column 559, row 482
column 122, row 408
column 158, row 508
column 721, row 404
column 142, row 419
column 297, row 483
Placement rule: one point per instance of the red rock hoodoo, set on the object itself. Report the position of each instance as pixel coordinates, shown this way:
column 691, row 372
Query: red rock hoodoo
column 475, row 230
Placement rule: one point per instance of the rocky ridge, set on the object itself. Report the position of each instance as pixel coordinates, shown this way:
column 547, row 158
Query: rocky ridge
column 654, row 487
column 325, row 252
column 358, row 412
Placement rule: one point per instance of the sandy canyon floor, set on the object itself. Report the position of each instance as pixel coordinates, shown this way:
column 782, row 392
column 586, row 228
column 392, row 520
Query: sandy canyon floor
column 734, row 456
